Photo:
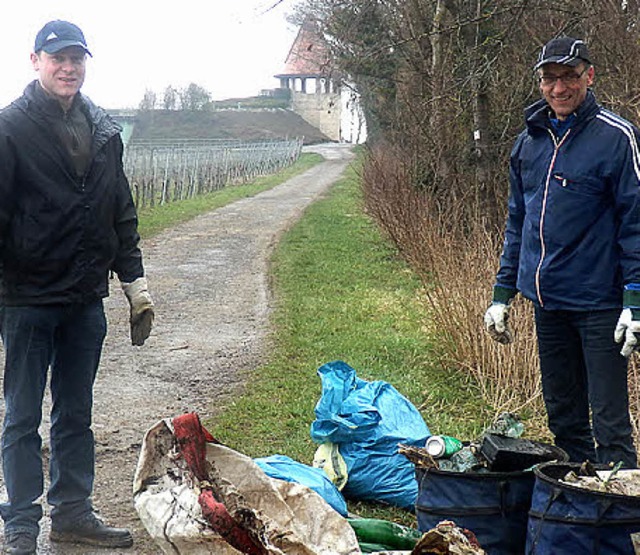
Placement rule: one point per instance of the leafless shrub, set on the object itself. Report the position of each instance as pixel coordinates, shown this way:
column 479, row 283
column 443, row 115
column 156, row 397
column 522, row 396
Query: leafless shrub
column 456, row 260
column 634, row 396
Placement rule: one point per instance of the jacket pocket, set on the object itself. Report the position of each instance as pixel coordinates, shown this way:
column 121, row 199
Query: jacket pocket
column 578, row 184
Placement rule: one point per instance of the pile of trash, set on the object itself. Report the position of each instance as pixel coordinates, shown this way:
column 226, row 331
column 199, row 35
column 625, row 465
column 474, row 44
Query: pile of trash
column 615, row 480
column 196, row 496
column 499, row 449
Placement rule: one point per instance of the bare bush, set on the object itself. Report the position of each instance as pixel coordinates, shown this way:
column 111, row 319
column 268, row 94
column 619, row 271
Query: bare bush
column 455, row 260
column 634, row 396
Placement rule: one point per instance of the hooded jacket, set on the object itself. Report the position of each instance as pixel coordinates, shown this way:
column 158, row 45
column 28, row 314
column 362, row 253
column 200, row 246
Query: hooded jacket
column 572, row 238
column 60, row 233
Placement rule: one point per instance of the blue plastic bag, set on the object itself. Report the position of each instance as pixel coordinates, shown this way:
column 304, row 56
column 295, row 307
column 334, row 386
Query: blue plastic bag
column 368, row 420
column 285, row 468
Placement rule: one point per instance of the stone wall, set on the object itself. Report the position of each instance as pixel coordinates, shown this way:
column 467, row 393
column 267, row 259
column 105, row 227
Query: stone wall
column 320, row 110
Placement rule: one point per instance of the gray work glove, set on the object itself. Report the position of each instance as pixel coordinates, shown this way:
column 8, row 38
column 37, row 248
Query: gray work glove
column 628, row 328
column 141, row 315
column 496, row 322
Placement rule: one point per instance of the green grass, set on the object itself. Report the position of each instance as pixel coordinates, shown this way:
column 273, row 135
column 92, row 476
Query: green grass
column 153, row 220
column 342, row 293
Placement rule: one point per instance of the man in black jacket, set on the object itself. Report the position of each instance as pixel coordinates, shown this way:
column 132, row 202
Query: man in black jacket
column 67, row 218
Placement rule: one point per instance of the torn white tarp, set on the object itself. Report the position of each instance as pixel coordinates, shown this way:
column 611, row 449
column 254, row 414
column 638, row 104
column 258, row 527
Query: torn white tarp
column 275, row 516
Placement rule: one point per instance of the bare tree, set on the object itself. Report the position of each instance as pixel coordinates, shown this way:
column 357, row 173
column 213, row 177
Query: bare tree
column 170, row 98
column 194, row 97
column 148, row 101
column 447, row 80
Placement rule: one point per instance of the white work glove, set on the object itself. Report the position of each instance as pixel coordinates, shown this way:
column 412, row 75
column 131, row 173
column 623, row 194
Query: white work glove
column 496, row 320
column 628, row 329
column 141, row 315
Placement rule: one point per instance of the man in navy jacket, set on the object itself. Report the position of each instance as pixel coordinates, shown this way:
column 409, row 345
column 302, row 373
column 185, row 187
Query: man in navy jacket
column 572, row 247
column 66, row 220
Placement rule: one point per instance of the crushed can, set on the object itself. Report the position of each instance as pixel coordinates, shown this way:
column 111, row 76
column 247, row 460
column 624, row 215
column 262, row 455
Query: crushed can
column 442, row 446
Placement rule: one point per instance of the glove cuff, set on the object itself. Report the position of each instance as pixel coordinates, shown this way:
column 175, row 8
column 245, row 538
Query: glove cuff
column 631, row 296
column 503, row 295
column 631, row 299
column 136, row 287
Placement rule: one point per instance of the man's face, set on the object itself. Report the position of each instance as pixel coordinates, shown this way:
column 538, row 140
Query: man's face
column 565, row 87
column 61, row 74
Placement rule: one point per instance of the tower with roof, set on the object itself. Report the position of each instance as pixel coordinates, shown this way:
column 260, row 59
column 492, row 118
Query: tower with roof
column 318, row 94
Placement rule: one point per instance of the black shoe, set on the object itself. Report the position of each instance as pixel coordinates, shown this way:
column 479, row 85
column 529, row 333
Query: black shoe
column 19, row 543
column 91, row 530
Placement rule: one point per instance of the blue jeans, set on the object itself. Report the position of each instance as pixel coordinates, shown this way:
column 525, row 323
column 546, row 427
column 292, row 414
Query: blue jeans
column 67, row 338
column 583, row 374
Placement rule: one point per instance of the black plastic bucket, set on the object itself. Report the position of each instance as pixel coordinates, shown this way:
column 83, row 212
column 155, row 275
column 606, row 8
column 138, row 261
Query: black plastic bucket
column 566, row 519
column 493, row 505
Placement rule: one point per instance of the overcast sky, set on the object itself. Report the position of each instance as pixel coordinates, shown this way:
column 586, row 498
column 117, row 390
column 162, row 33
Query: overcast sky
column 232, row 48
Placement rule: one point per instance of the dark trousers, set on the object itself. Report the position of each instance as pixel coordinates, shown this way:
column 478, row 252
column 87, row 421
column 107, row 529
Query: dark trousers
column 67, row 338
column 583, row 374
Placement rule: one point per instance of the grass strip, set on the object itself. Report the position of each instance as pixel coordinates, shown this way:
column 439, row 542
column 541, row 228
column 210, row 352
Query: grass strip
column 156, row 219
column 342, row 292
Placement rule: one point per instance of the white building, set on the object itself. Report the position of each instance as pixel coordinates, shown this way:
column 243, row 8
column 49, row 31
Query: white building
column 324, row 100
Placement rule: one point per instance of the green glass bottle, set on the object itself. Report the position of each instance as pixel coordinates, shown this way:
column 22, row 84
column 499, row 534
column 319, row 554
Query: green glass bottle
column 382, row 535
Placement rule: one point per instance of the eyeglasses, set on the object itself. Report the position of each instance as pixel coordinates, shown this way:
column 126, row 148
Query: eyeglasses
column 567, row 79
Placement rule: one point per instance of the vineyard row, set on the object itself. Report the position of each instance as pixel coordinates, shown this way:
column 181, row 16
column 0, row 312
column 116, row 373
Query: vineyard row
column 162, row 172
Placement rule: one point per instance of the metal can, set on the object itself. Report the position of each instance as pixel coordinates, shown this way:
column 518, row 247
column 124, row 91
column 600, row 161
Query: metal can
column 442, row 446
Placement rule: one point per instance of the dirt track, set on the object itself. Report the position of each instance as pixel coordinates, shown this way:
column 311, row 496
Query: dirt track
column 208, row 279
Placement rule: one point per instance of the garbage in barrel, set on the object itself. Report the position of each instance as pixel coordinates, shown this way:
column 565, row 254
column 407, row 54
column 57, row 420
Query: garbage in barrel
column 485, row 487
column 567, row 518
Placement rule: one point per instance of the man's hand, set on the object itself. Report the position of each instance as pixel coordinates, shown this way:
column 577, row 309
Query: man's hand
column 628, row 328
column 141, row 316
column 496, row 323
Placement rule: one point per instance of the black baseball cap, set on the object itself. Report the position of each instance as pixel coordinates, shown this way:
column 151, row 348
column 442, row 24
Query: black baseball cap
column 563, row 50
column 58, row 34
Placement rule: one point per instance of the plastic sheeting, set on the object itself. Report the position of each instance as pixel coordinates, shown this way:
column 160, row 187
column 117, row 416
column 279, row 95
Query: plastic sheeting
column 285, row 468
column 279, row 517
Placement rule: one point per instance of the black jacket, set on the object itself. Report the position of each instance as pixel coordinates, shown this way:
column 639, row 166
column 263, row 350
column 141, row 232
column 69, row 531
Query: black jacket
column 60, row 234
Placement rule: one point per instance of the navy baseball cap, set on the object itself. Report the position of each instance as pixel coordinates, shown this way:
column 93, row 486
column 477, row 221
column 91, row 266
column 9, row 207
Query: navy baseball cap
column 58, row 34
column 563, row 50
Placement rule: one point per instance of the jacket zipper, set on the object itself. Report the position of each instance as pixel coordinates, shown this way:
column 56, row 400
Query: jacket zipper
column 543, row 250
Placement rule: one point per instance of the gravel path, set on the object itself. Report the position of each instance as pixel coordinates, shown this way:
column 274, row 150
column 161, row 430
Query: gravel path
column 208, row 279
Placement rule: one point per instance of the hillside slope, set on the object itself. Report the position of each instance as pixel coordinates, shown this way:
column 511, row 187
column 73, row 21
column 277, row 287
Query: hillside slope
column 247, row 125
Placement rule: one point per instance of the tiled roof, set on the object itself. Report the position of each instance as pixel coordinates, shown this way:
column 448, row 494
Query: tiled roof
column 309, row 54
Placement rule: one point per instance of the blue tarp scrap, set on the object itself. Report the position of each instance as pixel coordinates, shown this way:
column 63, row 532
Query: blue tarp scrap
column 285, row 468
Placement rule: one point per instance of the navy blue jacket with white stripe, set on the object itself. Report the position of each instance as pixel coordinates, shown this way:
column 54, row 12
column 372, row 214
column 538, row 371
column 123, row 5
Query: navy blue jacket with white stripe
column 572, row 238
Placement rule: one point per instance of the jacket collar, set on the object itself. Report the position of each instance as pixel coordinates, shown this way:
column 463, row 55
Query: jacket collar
column 47, row 104
column 537, row 115
column 34, row 99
